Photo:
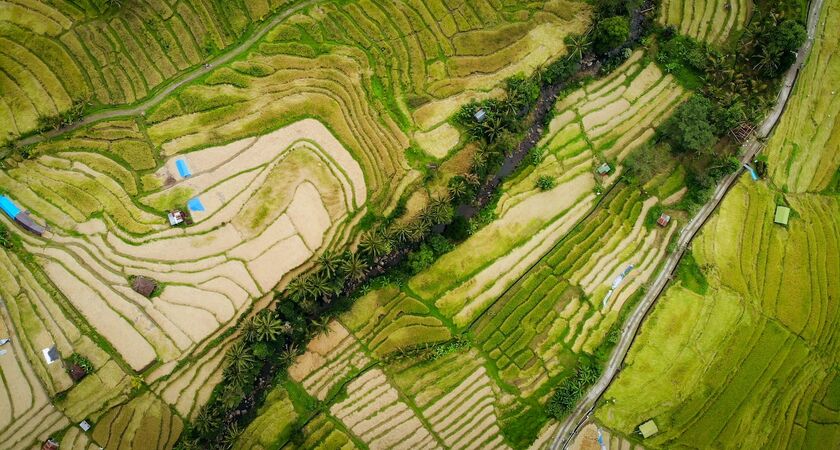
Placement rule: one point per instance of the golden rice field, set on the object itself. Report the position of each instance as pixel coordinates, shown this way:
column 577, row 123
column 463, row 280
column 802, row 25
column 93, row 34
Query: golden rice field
column 712, row 21
column 289, row 146
column 511, row 305
column 804, row 147
column 747, row 337
column 58, row 52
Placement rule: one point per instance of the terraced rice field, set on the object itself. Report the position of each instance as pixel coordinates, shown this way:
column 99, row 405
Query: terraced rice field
column 55, row 53
column 757, row 347
column 463, row 355
column 375, row 413
column 712, row 21
column 329, row 359
column 627, row 105
column 288, row 146
column 748, row 336
column 253, row 230
column 25, row 409
column 145, row 422
column 805, row 145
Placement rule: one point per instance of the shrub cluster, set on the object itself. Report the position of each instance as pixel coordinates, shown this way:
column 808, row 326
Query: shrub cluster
column 570, row 390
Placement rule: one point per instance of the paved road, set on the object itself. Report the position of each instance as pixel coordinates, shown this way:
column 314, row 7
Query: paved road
column 569, row 427
column 175, row 83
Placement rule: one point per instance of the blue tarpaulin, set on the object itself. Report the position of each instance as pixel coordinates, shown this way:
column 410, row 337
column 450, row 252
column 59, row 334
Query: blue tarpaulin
column 9, row 207
column 182, row 168
column 752, row 171
column 195, row 204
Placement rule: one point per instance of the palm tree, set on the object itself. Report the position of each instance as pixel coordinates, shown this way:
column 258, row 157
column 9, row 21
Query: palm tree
column 330, row 263
column 324, row 287
column 321, row 325
column 479, row 160
column 296, row 289
column 375, row 245
column 768, row 61
column 400, row 232
column 577, row 45
column 267, row 326
column 249, row 331
column 438, row 211
column 239, row 357
column 354, row 266
column 232, row 396
column 289, row 353
column 418, row 230
column 232, row 433
column 491, row 128
column 458, row 187
column 207, row 421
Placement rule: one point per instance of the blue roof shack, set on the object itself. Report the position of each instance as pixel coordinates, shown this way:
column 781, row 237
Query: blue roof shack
column 20, row 216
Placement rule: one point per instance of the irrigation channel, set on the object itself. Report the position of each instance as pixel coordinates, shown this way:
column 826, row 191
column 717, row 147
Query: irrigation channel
column 569, row 428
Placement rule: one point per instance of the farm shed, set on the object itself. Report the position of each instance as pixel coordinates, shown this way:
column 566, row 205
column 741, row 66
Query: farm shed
column 782, row 215
column 49, row 444
column 144, row 286
column 21, row 217
column 648, row 429
column 603, row 169
column 51, row 354
column 663, row 220
column 175, row 217
column 480, row 115
column 76, row 372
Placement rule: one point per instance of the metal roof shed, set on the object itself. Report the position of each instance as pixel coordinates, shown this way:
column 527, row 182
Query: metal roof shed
column 782, row 215
column 648, row 429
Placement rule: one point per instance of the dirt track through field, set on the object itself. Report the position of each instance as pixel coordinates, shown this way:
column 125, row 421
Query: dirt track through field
column 174, row 84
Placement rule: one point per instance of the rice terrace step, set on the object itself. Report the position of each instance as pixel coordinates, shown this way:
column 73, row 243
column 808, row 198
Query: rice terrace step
column 419, row 224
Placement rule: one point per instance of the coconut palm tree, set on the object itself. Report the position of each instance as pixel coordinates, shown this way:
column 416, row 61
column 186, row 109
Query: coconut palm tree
column 321, row 286
column 491, row 128
column 400, row 232
column 297, row 289
column 268, row 327
column 207, row 421
column 418, row 230
column 438, row 211
column 232, row 395
column 458, row 187
column 375, row 245
column 249, row 331
column 767, row 61
column 354, row 266
column 330, row 263
column 289, row 353
column 239, row 357
column 321, row 325
column 577, row 45
column 232, row 433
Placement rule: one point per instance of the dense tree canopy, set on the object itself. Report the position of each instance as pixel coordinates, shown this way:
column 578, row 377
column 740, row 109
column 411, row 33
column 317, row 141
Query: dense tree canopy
column 611, row 33
column 690, row 128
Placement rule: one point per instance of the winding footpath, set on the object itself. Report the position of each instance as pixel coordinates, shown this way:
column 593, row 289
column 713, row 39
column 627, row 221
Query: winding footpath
column 175, row 83
column 569, row 428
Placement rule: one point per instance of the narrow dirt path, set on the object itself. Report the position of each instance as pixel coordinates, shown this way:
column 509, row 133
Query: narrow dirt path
column 174, row 83
column 574, row 422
